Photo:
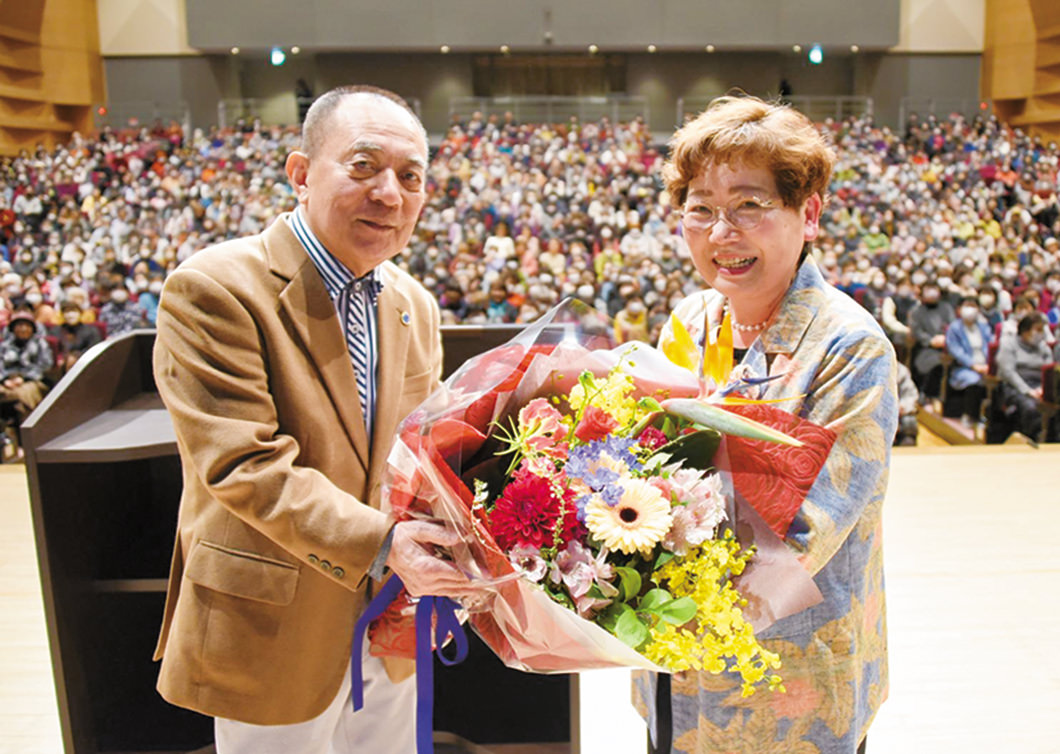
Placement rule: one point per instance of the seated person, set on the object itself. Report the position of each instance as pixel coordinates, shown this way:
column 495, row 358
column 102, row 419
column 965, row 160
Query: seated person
column 25, row 357
column 968, row 342
column 1019, row 365
column 118, row 313
column 928, row 320
column 75, row 337
column 907, row 407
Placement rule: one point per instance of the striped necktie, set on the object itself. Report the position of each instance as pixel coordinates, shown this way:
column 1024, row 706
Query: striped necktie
column 361, row 295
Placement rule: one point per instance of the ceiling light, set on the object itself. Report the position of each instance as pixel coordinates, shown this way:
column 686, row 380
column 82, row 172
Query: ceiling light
column 709, row 48
column 235, row 50
column 444, row 49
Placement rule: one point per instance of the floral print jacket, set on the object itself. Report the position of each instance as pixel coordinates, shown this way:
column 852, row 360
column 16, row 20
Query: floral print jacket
column 838, row 367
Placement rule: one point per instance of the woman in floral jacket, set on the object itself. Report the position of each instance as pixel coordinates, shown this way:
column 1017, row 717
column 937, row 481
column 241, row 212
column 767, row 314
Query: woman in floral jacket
column 751, row 180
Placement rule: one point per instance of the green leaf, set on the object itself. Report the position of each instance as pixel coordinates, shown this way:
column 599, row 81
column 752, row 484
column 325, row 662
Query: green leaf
column 608, row 619
column 664, row 558
column 648, row 403
column 679, row 611
column 655, row 600
column 631, row 630
column 696, row 449
column 726, row 422
column 629, row 582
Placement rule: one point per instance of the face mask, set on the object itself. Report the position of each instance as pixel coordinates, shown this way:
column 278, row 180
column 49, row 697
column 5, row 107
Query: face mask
column 919, row 278
column 34, row 299
column 930, row 299
column 155, row 288
column 1037, row 339
column 72, row 318
column 119, row 296
column 987, row 302
column 969, row 314
column 945, row 282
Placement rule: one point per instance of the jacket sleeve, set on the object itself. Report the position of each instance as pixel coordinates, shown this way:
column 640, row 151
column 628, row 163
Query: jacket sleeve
column 211, row 372
column 854, row 393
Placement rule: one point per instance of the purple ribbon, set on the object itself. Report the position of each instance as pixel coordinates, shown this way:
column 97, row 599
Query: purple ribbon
column 446, row 625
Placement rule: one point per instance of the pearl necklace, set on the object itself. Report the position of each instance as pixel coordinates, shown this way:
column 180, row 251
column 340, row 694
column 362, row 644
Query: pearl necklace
column 743, row 328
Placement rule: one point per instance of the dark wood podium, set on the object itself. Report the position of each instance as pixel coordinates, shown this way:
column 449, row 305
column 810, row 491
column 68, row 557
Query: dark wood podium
column 105, row 482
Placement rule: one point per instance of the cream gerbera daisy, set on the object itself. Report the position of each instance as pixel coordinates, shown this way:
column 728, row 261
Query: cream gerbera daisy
column 637, row 522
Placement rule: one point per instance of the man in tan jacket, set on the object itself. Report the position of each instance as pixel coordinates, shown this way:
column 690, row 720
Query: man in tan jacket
column 286, row 361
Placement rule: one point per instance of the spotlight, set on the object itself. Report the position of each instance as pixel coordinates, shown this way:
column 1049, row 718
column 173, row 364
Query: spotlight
column 444, row 49
column 854, row 48
column 505, row 49
column 816, row 54
column 295, row 50
column 709, row 48
column 277, row 56
column 234, row 50
column 652, row 48
column 593, row 49
column 796, row 48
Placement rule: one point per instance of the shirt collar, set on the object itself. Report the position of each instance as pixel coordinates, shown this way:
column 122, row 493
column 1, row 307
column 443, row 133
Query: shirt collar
column 804, row 298
column 337, row 276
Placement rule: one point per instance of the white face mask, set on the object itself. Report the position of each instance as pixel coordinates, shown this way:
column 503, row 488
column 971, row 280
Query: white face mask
column 1037, row 338
column 155, row 287
column 119, row 296
column 969, row 314
column 34, row 299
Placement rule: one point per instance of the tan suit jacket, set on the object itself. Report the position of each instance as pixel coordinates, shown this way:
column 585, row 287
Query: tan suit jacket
column 279, row 518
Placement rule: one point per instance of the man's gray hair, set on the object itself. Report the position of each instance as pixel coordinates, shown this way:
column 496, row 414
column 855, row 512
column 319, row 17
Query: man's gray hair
column 316, row 119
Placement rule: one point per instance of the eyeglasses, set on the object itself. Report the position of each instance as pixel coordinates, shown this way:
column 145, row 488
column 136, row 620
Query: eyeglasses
column 744, row 213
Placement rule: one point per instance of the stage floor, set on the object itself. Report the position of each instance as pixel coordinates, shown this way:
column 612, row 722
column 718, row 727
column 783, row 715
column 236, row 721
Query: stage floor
column 972, row 550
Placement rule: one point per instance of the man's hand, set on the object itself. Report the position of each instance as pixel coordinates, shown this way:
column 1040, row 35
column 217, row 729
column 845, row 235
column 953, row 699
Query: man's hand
column 938, row 341
column 415, row 556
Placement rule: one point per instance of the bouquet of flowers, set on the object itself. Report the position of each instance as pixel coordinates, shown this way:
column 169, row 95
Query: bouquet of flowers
column 594, row 497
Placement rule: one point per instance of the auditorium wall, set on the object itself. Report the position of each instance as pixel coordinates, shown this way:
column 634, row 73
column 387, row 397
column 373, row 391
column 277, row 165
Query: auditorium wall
column 934, row 49
column 418, row 25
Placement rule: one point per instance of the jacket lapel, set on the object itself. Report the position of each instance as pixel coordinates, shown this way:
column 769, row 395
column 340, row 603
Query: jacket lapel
column 394, row 331
column 306, row 302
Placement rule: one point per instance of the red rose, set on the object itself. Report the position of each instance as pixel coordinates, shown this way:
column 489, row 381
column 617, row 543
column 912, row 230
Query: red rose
column 596, row 424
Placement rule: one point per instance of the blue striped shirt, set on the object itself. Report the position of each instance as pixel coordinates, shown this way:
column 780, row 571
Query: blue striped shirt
column 355, row 301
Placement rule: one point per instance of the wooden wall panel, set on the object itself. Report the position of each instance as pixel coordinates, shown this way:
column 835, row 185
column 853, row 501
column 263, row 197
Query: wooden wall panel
column 51, row 71
column 1021, row 63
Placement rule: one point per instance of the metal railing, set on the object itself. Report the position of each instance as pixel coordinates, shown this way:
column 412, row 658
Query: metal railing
column 552, row 109
column 941, row 107
column 141, row 113
column 816, row 108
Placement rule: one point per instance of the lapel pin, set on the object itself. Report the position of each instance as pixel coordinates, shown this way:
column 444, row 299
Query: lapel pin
column 406, row 319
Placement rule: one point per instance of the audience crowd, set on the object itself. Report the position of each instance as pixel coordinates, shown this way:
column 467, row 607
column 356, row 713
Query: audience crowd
column 948, row 232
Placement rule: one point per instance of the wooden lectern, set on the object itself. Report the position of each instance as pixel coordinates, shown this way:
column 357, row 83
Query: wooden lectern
column 105, row 482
